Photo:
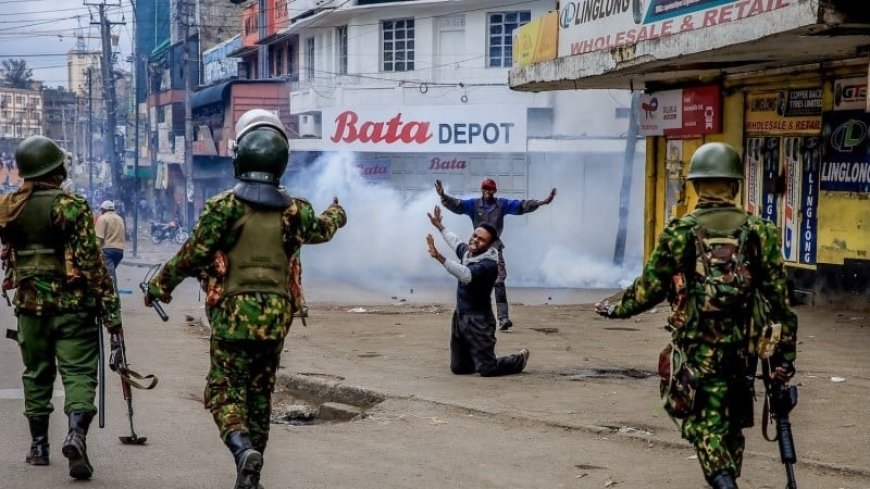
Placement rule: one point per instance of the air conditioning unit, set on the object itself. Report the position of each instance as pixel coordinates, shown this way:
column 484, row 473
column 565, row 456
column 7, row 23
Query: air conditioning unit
column 309, row 126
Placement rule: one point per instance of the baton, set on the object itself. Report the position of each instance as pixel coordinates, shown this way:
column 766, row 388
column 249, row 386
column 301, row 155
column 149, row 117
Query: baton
column 101, row 372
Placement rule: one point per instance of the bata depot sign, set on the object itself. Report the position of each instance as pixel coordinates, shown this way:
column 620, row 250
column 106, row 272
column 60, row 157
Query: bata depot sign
column 477, row 128
column 593, row 25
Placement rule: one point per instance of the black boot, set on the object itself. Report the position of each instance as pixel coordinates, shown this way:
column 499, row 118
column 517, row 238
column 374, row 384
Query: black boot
column 248, row 460
column 75, row 448
column 38, row 454
column 723, row 480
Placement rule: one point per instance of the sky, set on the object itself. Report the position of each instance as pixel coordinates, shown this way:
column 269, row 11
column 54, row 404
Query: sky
column 43, row 31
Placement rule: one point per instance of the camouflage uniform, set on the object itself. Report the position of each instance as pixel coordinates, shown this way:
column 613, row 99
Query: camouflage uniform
column 52, row 257
column 248, row 329
column 56, row 315
column 715, row 345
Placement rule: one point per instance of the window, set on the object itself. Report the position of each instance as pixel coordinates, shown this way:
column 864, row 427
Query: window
column 309, row 58
column 291, row 60
column 398, row 44
column 341, row 49
column 501, row 27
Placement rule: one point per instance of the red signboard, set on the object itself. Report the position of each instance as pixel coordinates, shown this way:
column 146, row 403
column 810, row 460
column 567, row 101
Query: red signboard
column 251, row 25
column 681, row 114
column 702, row 112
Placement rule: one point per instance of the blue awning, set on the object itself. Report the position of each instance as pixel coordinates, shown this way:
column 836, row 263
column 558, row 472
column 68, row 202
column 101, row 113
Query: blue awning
column 211, row 95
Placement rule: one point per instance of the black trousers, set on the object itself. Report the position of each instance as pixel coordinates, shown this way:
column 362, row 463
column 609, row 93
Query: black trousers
column 472, row 347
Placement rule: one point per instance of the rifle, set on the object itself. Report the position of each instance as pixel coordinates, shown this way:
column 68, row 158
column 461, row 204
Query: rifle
column 118, row 364
column 101, row 376
column 143, row 286
column 780, row 400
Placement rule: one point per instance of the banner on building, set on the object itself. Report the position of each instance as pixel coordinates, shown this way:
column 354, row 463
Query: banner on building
column 784, row 112
column 375, row 170
column 753, row 163
column 681, row 114
column 809, row 185
column 846, row 163
column 850, row 94
column 475, row 128
column 536, row 41
column 593, row 25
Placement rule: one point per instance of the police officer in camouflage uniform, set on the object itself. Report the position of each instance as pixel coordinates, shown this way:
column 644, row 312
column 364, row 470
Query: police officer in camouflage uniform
column 702, row 262
column 52, row 258
column 491, row 210
column 241, row 250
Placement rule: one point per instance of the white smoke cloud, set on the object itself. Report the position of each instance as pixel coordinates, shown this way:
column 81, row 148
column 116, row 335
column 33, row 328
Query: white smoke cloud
column 383, row 245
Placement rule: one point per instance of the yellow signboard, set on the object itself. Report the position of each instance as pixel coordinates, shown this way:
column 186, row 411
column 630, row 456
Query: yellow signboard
column 784, row 112
column 537, row 41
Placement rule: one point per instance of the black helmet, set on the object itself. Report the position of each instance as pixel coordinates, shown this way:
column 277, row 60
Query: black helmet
column 37, row 156
column 715, row 160
column 261, row 148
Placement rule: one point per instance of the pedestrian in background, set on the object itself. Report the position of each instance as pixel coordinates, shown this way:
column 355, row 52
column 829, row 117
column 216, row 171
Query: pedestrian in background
column 491, row 210
column 111, row 234
column 52, row 259
column 722, row 271
column 472, row 335
column 242, row 248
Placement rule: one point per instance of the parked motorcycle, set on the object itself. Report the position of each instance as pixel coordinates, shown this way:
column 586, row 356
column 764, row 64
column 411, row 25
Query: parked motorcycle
column 168, row 230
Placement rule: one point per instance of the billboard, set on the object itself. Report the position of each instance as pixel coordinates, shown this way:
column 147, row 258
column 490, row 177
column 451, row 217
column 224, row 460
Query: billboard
column 681, row 114
column 846, row 161
column 477, row 128
column 593, row 25
column 536, row 41
column 784, row 112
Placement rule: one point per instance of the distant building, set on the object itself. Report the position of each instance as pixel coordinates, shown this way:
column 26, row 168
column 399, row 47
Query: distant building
column 20, row 116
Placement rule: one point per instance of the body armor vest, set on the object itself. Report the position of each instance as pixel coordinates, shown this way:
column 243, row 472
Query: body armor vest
column 258, row 262
column 38, row 251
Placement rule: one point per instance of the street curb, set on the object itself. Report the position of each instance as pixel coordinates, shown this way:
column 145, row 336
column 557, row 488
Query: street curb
column 334, row 390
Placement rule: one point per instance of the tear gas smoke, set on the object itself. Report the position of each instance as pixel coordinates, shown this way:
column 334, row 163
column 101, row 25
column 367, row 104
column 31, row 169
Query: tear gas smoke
column 383, row 245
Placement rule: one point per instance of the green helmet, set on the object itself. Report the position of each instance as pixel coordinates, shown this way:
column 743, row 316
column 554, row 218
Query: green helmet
column 261, row 147
column 715, row 160
column 37, row 156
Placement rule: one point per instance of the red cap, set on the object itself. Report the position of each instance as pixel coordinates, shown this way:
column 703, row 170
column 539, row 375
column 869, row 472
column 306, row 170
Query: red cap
column 488, row 184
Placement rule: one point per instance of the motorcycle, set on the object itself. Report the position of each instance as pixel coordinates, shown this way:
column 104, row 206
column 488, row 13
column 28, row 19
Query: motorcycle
column 168, row 230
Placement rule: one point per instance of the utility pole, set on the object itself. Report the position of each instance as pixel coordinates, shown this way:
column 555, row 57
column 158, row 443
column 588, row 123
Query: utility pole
column 135, row 131
column 107, row 66
column 90, row 134
column 184, row 20
column 625, row 190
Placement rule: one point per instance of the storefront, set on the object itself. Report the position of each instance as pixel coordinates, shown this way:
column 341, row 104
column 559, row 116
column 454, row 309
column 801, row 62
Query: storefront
column 784, row 81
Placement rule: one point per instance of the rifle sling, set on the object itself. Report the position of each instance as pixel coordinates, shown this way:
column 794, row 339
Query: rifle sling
column 128, row 375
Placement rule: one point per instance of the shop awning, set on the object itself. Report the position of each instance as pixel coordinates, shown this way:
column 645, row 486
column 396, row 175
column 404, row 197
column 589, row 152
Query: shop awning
column 211, row 95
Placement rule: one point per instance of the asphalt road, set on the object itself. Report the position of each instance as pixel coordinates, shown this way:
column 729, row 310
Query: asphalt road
column 434, row 430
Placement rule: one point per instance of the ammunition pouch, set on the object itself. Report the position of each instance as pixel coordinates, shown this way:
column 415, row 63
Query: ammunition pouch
column 678, row 382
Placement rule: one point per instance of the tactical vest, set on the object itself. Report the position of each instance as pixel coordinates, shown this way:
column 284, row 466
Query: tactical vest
column 723, row 278
column 258, row 262
column 38, row 249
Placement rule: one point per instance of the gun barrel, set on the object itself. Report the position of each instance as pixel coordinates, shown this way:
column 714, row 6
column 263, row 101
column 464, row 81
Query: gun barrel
column 155, row 303
column 101, row 372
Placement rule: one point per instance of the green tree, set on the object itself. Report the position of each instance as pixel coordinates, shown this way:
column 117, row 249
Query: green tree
column 18, row 75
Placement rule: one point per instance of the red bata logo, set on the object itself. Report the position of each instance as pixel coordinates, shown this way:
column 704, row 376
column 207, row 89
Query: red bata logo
column 395, row 130
column 391, row 131
column 437, row 163
column 373, row 170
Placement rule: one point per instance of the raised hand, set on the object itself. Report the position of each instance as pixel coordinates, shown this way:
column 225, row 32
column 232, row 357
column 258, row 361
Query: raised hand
column 550, row 197
column 439, row 189
column 435, row 218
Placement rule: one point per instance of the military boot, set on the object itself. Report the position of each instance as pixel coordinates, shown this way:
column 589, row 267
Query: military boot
column 75, row 447
column 248, row 460
column 723, row 480
column 38, row 454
